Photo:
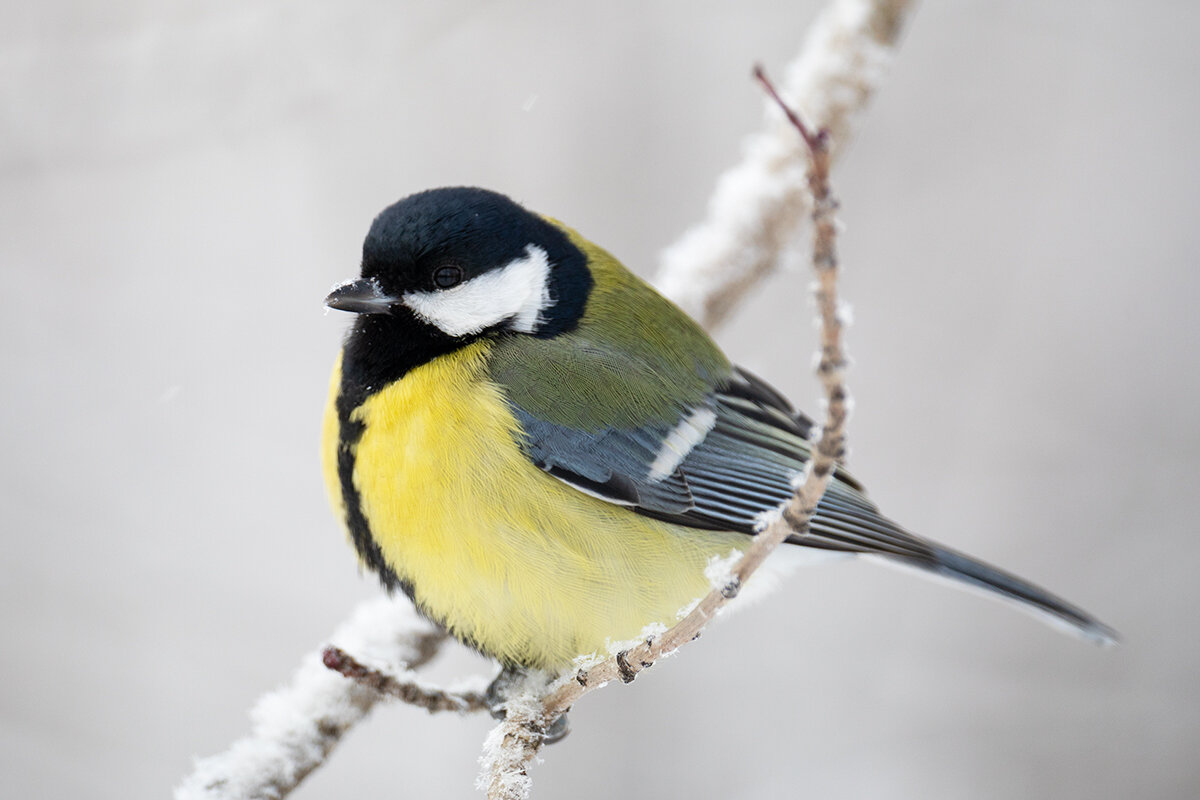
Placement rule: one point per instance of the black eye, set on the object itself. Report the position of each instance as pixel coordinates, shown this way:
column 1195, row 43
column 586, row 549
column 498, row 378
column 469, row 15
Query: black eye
column 445, row 277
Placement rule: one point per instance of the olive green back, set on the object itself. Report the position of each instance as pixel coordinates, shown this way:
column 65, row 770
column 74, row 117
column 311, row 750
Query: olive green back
column 634, row 359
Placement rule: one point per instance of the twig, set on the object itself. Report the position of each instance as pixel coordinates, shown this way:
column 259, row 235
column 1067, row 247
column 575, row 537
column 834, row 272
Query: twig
column 832, row 364
column 405, row 686
column 520, row 736
column 753, row 212
column 511, row 746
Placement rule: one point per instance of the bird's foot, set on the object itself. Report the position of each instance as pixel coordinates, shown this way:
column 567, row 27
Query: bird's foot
column 501, row 689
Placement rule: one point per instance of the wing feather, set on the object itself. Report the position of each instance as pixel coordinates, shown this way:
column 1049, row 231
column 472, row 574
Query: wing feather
column 742, row 466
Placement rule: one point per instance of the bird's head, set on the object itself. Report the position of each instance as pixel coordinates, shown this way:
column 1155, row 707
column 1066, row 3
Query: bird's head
column 458, row 263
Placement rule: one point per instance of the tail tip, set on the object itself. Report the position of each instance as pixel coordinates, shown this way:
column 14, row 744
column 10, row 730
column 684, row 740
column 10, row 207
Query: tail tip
column 1100, row 634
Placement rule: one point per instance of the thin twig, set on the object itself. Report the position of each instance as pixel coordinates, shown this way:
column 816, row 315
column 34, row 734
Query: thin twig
column 817, row 143
column 404, row 687
column 522, row 733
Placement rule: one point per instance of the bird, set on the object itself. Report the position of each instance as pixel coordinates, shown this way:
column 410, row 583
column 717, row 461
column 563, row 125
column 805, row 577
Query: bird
column 546, row 455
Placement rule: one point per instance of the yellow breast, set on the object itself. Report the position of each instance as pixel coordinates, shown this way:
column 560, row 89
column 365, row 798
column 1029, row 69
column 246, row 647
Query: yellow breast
column 509, row 559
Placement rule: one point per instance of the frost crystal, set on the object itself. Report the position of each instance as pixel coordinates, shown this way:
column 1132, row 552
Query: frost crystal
column 719, row 570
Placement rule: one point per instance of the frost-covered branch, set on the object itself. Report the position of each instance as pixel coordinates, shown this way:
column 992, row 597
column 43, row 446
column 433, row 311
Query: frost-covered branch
column 295, row 727
column 513, row 744
column 753, row 212
column 516, row 741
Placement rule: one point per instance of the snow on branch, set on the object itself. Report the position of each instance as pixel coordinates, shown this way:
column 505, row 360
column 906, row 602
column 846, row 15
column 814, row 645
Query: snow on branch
column 753, row 213
column 515, row 742
column 295, row 728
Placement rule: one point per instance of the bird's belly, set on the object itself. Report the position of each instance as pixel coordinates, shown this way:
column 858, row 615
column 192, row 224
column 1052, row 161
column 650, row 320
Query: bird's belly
column 511, row 560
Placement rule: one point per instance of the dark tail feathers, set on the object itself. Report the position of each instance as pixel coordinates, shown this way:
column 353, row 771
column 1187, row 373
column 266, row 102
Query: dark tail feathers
column 1046, row 606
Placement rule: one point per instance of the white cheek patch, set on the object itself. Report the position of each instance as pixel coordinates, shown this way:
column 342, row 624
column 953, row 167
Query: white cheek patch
column 519, row 291
column 680, row 441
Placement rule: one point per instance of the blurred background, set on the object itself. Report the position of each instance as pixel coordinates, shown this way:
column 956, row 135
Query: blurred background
column 181, row 183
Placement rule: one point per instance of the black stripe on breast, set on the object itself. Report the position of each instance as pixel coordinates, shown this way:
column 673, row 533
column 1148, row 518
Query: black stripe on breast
column 349, row 434
column 380, row 350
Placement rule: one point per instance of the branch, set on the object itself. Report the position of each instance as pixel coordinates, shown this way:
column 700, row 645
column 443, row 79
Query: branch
column 512, row 745
column 296, row 727
column 754, row 210
column 516, row 741
column 405, row 686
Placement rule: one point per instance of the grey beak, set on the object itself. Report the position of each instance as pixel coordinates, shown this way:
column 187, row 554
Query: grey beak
column 362, row 296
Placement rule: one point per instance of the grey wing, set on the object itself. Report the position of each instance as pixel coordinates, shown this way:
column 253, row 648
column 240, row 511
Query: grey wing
column 721, row 466
column 611, row 464
column 727, row 461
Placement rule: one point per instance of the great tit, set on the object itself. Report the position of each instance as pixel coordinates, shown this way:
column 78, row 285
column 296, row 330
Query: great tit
column 545, row 454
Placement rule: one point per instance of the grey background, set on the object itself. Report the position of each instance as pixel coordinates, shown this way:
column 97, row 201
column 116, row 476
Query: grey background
column 181, row 183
